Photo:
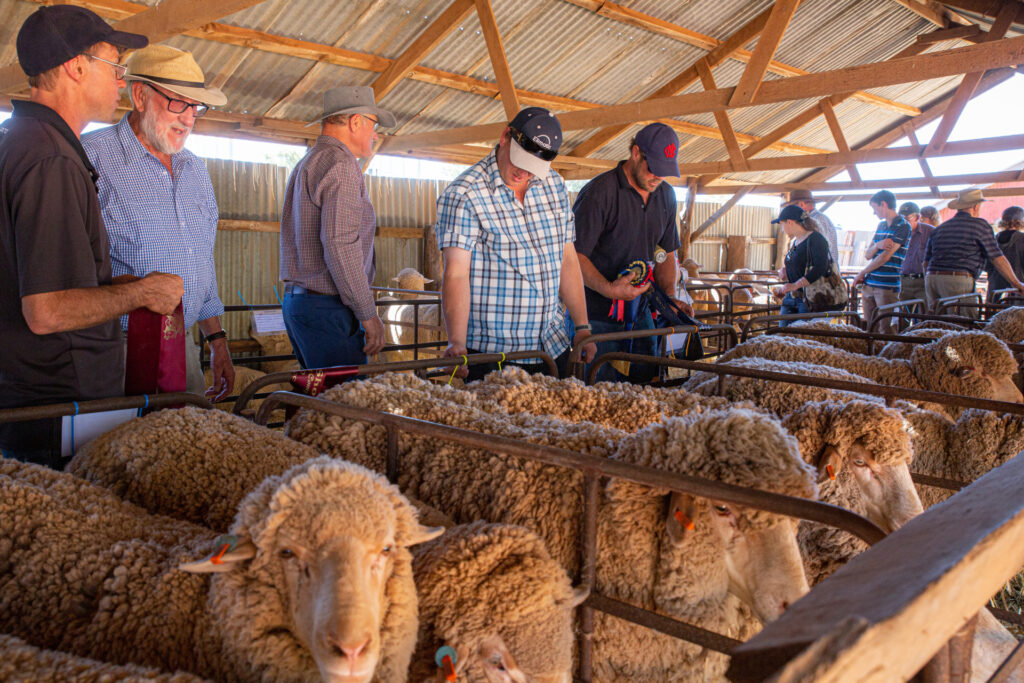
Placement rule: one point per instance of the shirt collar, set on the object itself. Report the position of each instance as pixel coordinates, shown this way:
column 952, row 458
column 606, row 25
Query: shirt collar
column 134, row 149
column 40, row 112
column 334, row 142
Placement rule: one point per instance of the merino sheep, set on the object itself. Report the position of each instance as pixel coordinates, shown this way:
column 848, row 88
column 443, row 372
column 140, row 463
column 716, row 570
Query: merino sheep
column 157, row 461
column 896, row 349
column 646, row 557
column 704, row 300
column 969, row 363
column 493, row 593
column 400, row 320
column 24, row 663
column 318, row 583
column 851, row 344
column 1007, row 325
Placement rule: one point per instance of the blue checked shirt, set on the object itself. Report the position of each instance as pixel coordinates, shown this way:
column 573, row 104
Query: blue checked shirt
column 516, row 257
column 154, row 221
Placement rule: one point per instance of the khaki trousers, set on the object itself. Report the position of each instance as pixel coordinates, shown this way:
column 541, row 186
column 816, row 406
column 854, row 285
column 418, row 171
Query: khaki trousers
column 940, row 286
column 872, row 298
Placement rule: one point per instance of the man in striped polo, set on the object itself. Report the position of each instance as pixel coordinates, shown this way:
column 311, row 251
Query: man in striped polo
column 957, row 251
column 881, row 276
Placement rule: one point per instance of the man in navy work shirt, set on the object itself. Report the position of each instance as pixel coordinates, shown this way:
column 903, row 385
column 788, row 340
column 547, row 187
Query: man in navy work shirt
column 622, row 215
column 158, row 203
column 58, row 310
column 957, row 251
column 881, row 276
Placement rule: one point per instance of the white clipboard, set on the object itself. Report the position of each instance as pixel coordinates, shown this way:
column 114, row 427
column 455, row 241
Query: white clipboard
column 78, row 430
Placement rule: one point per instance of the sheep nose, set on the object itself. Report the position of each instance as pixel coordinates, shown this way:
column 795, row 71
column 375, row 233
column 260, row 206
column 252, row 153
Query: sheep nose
column 353, row 647
column 785, row 605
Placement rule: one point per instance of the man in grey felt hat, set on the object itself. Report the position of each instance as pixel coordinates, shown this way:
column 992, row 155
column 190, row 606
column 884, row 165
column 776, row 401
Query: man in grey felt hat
column 327, row 228
column 157, row 199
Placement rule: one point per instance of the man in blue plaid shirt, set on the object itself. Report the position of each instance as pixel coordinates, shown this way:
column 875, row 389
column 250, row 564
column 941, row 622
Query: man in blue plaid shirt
column 506, row 230
column 157, row 199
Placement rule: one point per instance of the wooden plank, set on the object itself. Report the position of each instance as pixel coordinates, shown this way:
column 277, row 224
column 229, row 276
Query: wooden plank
column 736, row 252
column 400, row 233
column 163, row 21
column 986, row 178
column 927, row 9
column 1006, row 52
column 686, row 220
column 917, row 586
column 922, row 162
column 425, row 42
column 837, row 134
column 230, row 224
column 987, row 7
column 767, row 43
column 732, row 145
column 722, row 210
column 970, row 82
column 958, row 33
column 489, row 26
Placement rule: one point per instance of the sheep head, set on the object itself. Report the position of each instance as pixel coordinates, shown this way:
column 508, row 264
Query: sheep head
column 968, row 363
column 746, row 448
column 330, row 575
column 692, row 267
column 410, row 278
column 864, row 442
column 1008, row 325
column 493, row 593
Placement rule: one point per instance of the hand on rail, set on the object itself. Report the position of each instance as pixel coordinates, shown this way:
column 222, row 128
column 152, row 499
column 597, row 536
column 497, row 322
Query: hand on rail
column 456, row 350
column 682, row 306
column 589, row 352
column 778, row 293
column 373, row 329
column 859, row 280
column 622, row 290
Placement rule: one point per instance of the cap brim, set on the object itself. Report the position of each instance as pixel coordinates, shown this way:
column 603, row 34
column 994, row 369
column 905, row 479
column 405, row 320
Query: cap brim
column 663, row 168
column 212, row 97
column 131, row 41
column 776, row 220
column 385, row 119
column 520, row 158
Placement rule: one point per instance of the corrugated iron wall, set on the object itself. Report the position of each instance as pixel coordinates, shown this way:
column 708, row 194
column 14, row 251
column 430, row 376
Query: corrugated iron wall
column 248, row 262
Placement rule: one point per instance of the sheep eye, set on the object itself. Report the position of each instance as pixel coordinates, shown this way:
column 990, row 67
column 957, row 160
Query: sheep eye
column 286, row 553
column 860, row 463
column 386, row 550
column 498, row 663
column 722, row 509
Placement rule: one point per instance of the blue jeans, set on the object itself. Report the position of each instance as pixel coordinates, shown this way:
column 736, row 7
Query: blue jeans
column 644, row 345
column 324, row 332
column 791, row 305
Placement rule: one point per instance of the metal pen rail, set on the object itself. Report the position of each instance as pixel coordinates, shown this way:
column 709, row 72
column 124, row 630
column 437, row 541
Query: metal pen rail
column 593, row 469
column 100, row 405
column 887, row 310
column 749, row 327
column 285, row 377
column 870, row 337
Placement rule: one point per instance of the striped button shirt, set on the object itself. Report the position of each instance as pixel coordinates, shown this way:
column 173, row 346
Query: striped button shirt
column 516, row 257
column 156, row 220
column 962, row 243
column 327, row 227
column 887, row 275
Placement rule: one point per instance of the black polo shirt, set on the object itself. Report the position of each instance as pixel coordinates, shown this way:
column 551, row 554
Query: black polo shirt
column 51, row 239
column 614, row 227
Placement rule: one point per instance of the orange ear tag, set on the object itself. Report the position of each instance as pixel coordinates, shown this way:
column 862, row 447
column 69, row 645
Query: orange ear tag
column 684, row 520
column 831, row 472
column 445, row 659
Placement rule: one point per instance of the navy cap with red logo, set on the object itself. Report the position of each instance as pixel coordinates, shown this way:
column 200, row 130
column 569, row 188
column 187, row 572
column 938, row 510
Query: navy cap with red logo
column 659, row 143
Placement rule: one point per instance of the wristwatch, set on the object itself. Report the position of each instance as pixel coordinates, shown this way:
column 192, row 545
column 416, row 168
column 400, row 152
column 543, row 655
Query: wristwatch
column 221, row 334
column 588, row 327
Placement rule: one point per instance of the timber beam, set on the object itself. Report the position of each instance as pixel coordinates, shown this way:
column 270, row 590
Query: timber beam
column 970, row 179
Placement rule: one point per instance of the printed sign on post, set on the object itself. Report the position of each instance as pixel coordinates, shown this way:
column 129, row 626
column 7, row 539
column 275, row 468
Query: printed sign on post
column 268, row 322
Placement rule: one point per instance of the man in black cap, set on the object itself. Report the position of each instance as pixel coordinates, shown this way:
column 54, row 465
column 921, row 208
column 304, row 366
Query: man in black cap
column 58, row 310
column 623, row 216
column 506, row 232
column 912, row 270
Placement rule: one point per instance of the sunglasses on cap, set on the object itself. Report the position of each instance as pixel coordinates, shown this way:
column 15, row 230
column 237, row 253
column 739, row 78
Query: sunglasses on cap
column 531, row 146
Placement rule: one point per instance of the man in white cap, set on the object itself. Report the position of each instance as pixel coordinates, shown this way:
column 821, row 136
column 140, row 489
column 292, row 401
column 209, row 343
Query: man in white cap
column 957, row 250
column 327, row 228
column 59, row 337
column 506, row 231
column 158, row 203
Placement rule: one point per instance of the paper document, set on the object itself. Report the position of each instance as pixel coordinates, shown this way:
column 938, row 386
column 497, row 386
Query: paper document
column 268, row 322
column 84, row 428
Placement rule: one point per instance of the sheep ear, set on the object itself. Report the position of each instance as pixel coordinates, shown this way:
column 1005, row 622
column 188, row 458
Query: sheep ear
column 422, row 534
column 427, row 281
column 395, row 280
column 579, row 594
column 830, row 463
column 220, row 563
column 680, row 520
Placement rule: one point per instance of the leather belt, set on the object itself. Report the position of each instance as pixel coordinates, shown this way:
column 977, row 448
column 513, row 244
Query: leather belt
column 963, row 273
column 299, row 289
column 913, row 276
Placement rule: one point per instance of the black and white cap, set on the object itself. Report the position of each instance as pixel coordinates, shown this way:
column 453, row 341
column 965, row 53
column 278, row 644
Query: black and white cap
column 536, row 136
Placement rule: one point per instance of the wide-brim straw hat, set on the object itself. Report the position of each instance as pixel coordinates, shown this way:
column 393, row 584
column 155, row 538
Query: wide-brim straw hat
column 967, row 199
column 173, row 70
column 354, row 99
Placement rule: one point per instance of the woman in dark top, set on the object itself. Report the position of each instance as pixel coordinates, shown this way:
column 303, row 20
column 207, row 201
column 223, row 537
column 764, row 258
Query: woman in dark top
column 807, row 260
column 1011, row 241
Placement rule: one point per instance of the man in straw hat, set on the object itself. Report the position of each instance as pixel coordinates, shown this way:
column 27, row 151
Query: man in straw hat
column 957, row 251
column 157, row 199
column 805, row 200
column 327, row 228
column 506, row 232
column 58, row 309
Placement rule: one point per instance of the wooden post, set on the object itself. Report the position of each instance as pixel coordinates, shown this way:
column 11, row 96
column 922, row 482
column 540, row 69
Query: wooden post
column 686, row 223
column 736, row 252
column 433, row 264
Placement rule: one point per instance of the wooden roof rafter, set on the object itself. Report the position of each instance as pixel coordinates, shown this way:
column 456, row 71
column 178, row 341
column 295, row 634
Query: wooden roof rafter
column 767, row 43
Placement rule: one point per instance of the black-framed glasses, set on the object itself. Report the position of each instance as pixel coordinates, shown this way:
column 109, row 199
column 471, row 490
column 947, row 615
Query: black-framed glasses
column 179, row 106
column 376, row 123
column 531, row 146
column 119, row 69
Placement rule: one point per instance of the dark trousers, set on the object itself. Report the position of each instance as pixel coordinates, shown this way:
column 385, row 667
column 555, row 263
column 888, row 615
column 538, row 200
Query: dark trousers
column 638, row 372
column 324, row 332
column 790, row 306
column 46, row 458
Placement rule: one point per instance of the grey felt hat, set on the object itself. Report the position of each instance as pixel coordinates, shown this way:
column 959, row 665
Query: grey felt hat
column 354, row 99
